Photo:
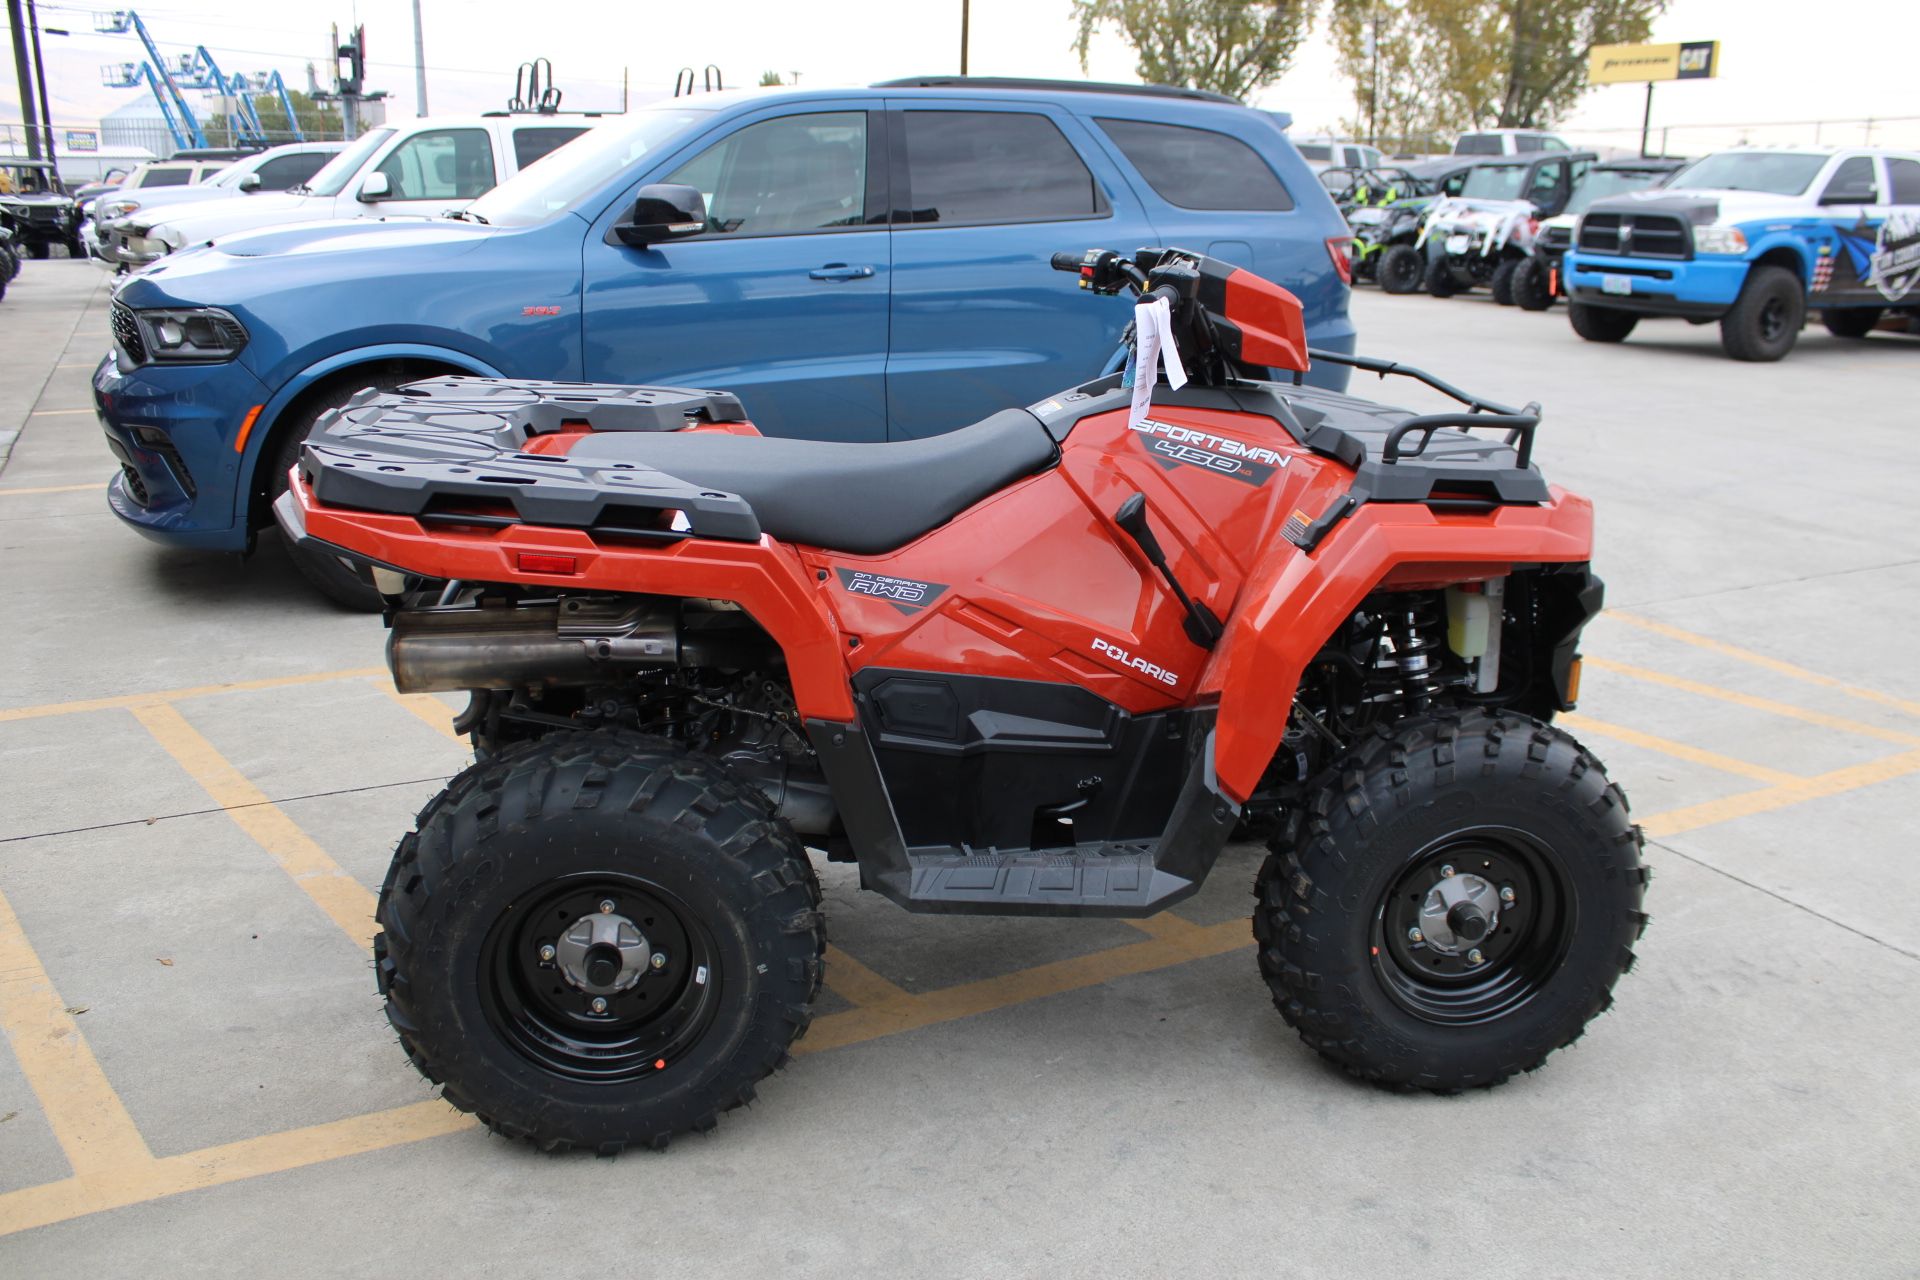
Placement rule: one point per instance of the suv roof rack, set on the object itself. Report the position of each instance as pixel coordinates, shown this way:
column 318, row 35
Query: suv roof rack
column 1058, row 86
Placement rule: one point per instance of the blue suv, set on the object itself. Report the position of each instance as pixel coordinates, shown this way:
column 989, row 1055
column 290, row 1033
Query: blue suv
column 873, row 264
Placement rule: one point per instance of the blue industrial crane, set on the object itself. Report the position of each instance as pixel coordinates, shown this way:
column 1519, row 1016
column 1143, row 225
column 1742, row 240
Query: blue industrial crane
column 126, row 75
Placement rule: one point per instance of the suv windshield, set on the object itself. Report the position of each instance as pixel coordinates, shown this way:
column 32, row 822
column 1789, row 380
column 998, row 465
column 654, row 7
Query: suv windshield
column 340, row 170
column 581, row 167
column 1601, row 183
column 1495, row 182
column 1780, row 173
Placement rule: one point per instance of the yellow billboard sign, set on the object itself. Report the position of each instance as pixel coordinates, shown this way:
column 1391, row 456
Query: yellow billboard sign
column 1645, row 63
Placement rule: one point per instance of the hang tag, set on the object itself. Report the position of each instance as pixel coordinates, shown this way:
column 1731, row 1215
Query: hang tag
column 1154, row 348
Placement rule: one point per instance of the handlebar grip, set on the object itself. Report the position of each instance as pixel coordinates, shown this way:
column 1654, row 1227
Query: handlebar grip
column 1066, row 262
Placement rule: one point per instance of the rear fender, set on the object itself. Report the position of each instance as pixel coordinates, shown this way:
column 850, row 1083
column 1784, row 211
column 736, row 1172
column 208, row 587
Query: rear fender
column 1295, row 601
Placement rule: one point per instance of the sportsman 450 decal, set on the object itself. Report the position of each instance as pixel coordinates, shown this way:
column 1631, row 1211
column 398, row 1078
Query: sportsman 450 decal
column 1152, row 670
column 908, row 595
column 1173, row 446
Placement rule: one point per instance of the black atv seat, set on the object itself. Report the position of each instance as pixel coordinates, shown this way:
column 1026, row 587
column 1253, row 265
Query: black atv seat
column 864, row 499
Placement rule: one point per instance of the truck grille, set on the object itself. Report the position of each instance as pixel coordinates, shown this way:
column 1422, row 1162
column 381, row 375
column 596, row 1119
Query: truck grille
column 1558, row 238
column 126, row 332
column 1636, row 235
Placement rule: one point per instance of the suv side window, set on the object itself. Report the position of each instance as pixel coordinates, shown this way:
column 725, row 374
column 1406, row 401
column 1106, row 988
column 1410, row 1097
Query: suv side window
column 533, row 143
column 1198, row 168
column 1904, row 176
column 1855, row 175
column 442, row 164
column 282, row 172
column 974, row 167
column 781, row 176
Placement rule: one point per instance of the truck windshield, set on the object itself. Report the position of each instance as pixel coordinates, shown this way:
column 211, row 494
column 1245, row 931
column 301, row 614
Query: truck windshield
column 1495, row 182
column 340, row 170
column 1780, row 173
column 1478, row 144
column 1601, row 183
column 581, row 167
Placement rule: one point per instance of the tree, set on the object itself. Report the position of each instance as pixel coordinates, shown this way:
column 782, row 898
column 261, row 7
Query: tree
column 318, row 121
column 770, row 78
column 1228, row 46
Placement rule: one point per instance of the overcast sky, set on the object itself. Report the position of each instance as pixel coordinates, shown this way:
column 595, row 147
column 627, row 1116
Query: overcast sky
column 1857, row 61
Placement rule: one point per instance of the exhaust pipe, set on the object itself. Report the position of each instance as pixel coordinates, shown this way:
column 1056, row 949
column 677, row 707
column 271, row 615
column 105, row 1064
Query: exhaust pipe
column 576, row 642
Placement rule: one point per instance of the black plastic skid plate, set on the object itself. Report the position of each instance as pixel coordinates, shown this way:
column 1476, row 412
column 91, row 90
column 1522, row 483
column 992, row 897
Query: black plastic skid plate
column 409, row 451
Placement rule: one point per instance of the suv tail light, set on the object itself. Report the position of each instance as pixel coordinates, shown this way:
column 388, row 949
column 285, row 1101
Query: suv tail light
column 1340, row 249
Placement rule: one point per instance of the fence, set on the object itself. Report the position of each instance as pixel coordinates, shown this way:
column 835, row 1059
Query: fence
column 1699, row 139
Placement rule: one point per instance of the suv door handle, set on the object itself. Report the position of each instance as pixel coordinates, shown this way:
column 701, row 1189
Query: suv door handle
column 840, row 271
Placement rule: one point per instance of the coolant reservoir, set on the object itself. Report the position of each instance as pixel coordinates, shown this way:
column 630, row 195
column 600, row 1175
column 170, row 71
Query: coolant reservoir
column 1469, row 620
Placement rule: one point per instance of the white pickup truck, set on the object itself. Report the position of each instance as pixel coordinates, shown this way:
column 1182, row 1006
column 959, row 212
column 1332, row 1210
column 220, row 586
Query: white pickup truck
column 422, row 167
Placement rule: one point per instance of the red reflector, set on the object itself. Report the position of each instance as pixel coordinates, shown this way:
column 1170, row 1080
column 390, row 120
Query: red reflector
column 1340, row 249
column 534, row 562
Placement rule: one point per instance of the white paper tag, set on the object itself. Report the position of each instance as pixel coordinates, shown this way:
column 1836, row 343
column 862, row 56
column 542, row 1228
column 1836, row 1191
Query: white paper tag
column 1154, row 347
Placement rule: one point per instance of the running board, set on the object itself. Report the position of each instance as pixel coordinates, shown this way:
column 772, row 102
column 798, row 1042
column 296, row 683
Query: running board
column 1118, row 879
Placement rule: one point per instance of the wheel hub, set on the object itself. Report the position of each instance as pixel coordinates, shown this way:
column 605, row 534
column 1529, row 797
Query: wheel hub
column 1459, row 912
column 603, row 953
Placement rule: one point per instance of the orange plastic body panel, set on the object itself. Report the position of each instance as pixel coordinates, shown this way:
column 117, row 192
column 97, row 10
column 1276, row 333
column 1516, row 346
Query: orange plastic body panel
column 1037, row 583
column 1273, row 330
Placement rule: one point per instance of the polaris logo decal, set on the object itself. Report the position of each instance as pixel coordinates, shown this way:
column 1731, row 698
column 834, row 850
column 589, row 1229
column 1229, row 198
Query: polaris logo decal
column 1153, row 671
column 1173, row 446
column 908, row 595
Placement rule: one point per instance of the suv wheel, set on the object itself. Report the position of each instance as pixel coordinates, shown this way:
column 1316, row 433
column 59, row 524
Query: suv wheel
column 1764, row 321
column 1853, row 322
column 1402, row 269
column 1600, row 324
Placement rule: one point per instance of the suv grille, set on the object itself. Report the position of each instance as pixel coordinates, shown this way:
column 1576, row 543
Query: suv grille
column 126, row 331
column 1636, row 235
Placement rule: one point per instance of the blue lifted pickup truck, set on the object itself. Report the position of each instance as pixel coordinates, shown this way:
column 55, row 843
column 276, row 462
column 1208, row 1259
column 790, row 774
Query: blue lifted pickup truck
column 873, row 264
column 1754, row 239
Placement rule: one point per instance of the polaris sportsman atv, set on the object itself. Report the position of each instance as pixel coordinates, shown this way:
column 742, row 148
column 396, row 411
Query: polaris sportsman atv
column 1045, row 664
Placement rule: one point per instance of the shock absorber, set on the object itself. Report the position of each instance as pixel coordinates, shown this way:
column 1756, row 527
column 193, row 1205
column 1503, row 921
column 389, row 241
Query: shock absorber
column 1415, row 635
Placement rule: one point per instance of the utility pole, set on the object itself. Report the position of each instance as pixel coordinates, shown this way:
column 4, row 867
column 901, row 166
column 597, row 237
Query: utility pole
column 966, row 19
column 16, row 20
column 40, row 74
column 420, row 63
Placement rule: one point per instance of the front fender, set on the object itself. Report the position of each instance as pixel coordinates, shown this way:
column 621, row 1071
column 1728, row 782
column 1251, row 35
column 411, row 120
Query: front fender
column 307, row 377
column 1295, row 601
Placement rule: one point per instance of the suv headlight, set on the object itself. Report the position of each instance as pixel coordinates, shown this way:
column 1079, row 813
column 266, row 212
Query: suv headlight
column 1719, row 240
column 188, row 334
column 109, row 209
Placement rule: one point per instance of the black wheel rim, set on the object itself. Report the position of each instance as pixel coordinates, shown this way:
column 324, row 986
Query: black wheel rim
column 1519, row 955
column 1773, row 319
column 550, row 1022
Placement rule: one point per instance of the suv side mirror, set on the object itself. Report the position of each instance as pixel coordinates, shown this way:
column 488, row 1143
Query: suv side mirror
column 1860, row 193
column 662, row 211
column 377, row 187
column 250, row 183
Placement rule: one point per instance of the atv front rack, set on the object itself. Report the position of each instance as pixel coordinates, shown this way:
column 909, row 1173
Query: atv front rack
column 459, row 451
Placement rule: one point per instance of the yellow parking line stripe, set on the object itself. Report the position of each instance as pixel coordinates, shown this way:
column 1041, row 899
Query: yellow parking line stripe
column 1821, row 718
column 234, row 1162
column 854, row 1026
column 1774, row 665
column 1582, row 724
column 86, row 1115
column 57, row 413
column 346, row 901
column 174, row 695
column 425, row 705
column 52, row 488
column 1837, row 782
column 859, row 985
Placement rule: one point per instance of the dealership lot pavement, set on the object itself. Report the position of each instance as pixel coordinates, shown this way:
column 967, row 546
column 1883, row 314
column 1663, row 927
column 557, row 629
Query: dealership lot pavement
column 203, row 770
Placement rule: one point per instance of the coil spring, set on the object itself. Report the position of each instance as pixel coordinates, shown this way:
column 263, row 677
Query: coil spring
column 1415, row 635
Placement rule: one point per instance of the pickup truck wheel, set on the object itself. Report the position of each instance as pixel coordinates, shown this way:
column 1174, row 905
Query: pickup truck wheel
column 599, row 940
column 1850, row 322
column 1531, row 287
column 1764, row 321
column 1454, row 902
column 1502, row 283
column 1402, row 269
column 346, row 586
column 1600, row 324
column 1440, row 280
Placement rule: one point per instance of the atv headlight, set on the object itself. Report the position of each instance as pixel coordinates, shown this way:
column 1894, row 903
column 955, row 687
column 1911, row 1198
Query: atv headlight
column 191, row 334
column 1719, row 240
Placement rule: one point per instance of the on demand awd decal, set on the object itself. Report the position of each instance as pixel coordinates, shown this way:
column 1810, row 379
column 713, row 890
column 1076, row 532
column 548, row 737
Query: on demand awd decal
column 908, row 595
column 1173, row 446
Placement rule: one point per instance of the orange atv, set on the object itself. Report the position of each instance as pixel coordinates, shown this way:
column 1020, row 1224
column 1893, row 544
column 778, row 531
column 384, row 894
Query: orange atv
column 1047, row 664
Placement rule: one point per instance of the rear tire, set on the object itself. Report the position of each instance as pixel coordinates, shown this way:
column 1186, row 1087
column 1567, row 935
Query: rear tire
column 691, row 858
column 1600, row 324
column 1440, row 280
column 1402, row 269
column 1851, row 322
column 1501, row 801
column 1764, row 321
column 1532, row 287
column 1501, row 286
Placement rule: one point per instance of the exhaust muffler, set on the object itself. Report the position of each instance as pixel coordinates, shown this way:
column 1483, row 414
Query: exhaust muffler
column 571, row 643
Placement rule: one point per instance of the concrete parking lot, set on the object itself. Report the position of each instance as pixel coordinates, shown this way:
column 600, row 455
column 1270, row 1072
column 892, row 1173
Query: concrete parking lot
column 203, row 770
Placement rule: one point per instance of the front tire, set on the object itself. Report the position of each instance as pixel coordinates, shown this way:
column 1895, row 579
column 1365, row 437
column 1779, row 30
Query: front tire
column 1532, row 287
column 1764, row 321
column 1440, row 280
column 1524, row 826
column 1402, row 269
column 1600, row 324
column 1501, row 285
column 1850, row 322
column 522, row 857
